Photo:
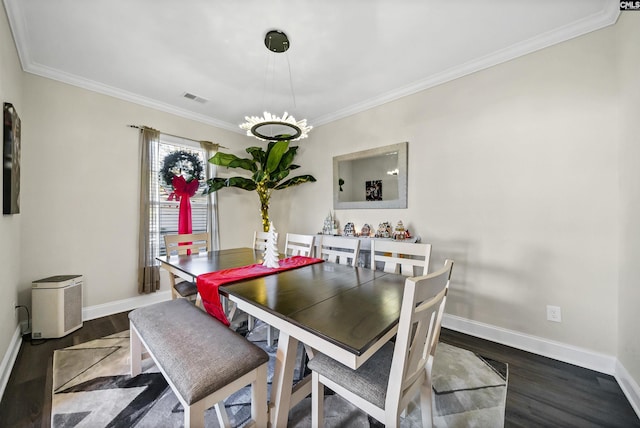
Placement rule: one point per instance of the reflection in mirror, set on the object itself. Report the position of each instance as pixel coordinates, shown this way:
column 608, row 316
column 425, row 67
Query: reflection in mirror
column 375, row 178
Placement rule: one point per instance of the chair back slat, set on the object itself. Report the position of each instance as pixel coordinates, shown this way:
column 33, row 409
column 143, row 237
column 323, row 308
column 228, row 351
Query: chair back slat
column 299, row 245
column 406, row 258
column 179, row 244
column 344, row 251
column 260, row 240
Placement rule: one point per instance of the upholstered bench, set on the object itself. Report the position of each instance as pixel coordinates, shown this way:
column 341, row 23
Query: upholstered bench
column 202, row 360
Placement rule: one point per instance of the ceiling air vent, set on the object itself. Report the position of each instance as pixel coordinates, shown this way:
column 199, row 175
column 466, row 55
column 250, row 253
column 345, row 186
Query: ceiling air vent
column 194, row 98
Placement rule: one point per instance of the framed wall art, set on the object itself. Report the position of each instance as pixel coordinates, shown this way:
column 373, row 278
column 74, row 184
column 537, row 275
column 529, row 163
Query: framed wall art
column 373, row 190
column 10, row 161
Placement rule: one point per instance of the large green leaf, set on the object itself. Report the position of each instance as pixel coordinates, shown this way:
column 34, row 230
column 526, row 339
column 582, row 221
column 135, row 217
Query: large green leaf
column 242, row 183
column 217, row 183
column 270, row 145
column 233, row 161
column 223, row 159
column 275, row 155
column 248, row 164
column 258, row 154
column 287, row 158
column 295, row 181
column 279, row 175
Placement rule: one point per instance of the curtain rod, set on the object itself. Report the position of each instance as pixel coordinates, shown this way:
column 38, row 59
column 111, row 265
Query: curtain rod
column 179, row 136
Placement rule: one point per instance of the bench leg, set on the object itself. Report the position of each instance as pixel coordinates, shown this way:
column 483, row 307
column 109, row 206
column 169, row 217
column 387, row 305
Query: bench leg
column 259, row 408
column 251, row 322
column 221, row 412
column 135, row 351
column 194, row 415
column 272, row 332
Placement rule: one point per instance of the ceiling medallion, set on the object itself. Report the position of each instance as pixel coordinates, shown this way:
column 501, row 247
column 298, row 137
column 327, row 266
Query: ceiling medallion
column 284, row 128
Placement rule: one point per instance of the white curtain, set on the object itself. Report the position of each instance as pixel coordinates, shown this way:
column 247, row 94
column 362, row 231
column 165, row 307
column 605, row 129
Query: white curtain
column 212, row 200
column 148, row 267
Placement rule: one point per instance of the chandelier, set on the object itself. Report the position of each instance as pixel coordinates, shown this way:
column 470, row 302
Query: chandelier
column 270, row 127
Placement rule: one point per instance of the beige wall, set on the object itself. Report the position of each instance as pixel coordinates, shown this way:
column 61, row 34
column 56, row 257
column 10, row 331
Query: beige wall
column 10, row 91
column 629, row 289
column 80, row 186
column 513, row 173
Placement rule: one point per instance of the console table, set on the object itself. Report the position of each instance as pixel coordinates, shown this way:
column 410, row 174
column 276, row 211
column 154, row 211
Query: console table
column 364, row 259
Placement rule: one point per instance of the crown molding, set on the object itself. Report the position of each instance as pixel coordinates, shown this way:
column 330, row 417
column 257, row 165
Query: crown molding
column 50, row 73
column 21, row 39
column 606, row 17
column 19, row 32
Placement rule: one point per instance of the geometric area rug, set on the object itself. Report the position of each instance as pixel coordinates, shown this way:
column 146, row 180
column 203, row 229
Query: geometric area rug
column 92, row 388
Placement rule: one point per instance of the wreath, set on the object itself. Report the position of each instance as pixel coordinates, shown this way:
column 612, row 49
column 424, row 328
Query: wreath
column 182, row 163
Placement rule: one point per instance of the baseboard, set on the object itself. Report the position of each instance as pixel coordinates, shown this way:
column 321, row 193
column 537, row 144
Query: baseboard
column 629, row 387
column 9, row 359
column 105, row 309
column 558, row 351
column 88, row 313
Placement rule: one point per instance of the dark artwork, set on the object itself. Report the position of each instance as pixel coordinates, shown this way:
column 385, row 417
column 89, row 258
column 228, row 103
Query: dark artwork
column 11, row 161
column 374, row 190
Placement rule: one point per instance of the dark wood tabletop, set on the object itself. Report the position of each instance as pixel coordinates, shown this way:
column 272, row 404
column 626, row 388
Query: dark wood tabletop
column 212, row 261
column 350, row 307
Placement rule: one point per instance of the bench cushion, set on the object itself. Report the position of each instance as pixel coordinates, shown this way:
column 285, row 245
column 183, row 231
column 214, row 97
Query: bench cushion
column 198, row 353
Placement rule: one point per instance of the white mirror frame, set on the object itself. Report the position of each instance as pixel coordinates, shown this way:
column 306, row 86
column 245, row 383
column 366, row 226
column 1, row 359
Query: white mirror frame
column 401, row 202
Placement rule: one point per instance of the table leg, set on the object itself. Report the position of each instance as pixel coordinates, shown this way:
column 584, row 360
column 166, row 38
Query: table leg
column 283, row 380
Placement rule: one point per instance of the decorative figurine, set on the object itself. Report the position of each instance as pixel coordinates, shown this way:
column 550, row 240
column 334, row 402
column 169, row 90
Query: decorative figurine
column 329, row 227
column 366, row 230
column 400, row 233
column 384, row 230
column 349, row 229
column 271, row 259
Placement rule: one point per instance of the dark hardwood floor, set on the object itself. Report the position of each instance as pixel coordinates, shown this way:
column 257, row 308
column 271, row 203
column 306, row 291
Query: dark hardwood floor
column 542, row 392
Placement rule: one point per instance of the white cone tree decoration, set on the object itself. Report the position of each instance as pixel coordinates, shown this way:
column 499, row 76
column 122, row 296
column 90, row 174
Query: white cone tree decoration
column 271, row 250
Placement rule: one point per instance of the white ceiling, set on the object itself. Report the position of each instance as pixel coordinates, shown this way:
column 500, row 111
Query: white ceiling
column 345, row 56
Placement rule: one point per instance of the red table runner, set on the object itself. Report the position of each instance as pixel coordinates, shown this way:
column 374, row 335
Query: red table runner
column 208, row 283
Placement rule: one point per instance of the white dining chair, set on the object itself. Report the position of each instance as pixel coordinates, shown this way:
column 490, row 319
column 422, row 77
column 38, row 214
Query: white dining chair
column 406, row 258
column 260, row 240
column 340, row 250
column 259, row 244
column 386, row 383
column 179, row 245
column 299, row 245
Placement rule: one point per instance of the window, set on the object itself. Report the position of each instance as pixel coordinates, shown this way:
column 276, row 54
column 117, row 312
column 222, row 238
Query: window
column 167, row 207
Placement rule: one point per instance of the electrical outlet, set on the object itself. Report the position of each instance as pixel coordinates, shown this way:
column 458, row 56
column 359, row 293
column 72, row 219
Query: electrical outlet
column 554, row 313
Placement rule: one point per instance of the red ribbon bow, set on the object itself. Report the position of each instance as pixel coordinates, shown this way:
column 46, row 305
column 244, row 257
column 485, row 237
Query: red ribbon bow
column 183, row 191
column 183, row 188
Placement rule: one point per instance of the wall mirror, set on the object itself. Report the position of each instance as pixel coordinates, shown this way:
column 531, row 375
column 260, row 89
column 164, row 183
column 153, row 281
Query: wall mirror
column 375, row 178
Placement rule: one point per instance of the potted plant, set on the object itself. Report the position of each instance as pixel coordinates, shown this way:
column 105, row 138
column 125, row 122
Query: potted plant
column 269, row 168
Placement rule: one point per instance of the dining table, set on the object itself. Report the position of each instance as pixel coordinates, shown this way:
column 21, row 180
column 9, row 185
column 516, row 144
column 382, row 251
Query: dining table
column 345, row 312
